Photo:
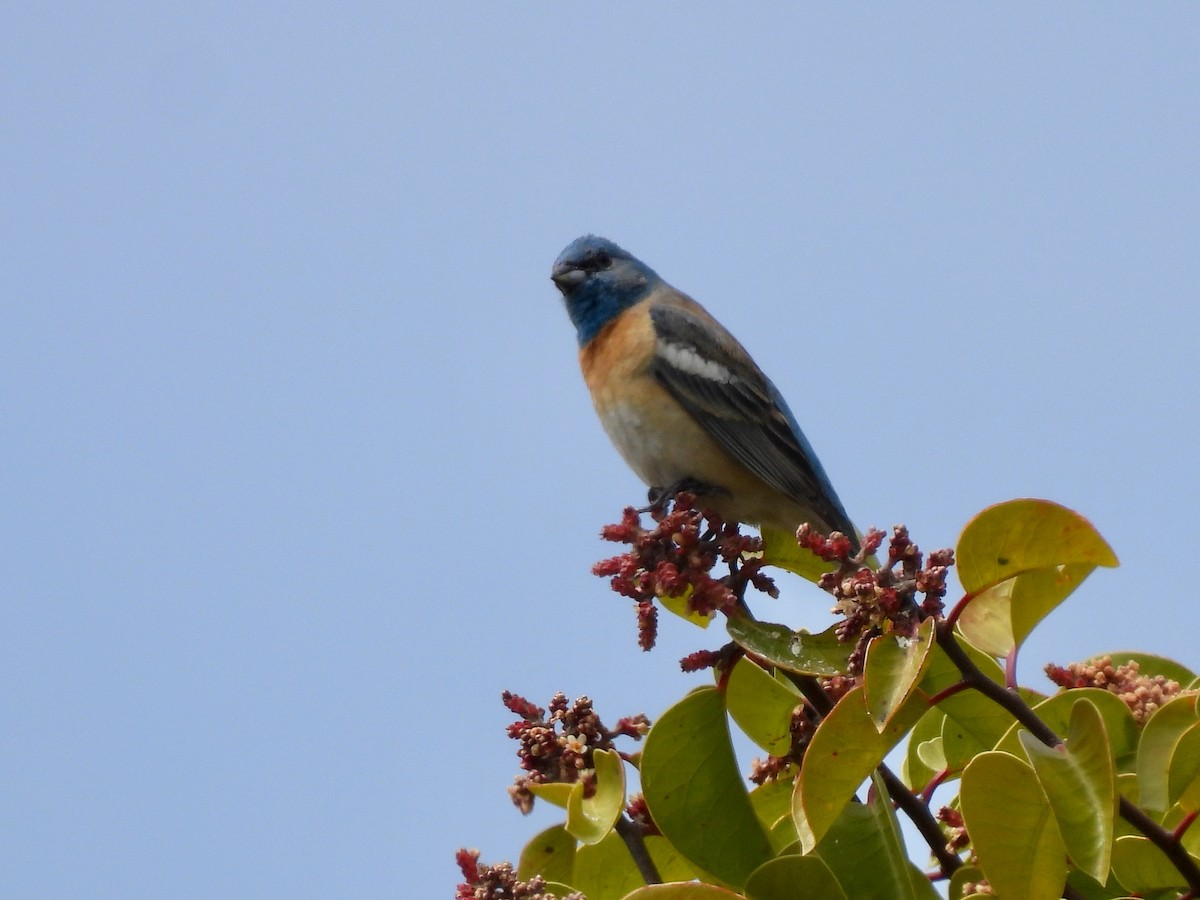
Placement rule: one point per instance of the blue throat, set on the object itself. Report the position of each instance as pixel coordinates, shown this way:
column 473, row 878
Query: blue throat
column 596, row 304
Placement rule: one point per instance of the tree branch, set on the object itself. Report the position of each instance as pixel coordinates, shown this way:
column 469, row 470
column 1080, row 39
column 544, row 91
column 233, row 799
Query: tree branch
column 921, row 816
column 631, row 834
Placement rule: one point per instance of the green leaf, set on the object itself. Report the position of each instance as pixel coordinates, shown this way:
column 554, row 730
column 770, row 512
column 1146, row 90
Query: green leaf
column 1012, row 828
column 605, row 870
column 1190, row 838
column 894, row 667
column 558, row 793
column 772, row 802
column 695, row 793
column 999, row 618
column 1055, row 711
column 794, row 651
column 973, row 724
column 1162, row 733
column 961, row 876
column 844, row 750
column 1127, row 787
column 1141, row 867
column 550, row 854
column 793, row 878
column 1080, row 781
column 1021, row 535
column 1183, row 778
column 590, row 819
column 678, row 605
column 864, row 851
column 780, row 549
column 671, row 864
column 933, row 754
column 1087, row 888
column 920, row 765
column 559, row 888
column 689, row 890
column 762, row 706
column 1021, row 559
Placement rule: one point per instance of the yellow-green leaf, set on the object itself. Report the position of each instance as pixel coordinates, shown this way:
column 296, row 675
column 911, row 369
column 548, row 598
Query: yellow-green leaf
column 557, row 793
column 559, row 888
column 793, row 878
column 920, row 765
column 1000, row 617
column 678, row 604
column 780, row 549
column 772, row 801
column 695, row 792
column 762, row 706
column 932, row 754
column 1190, row 837
column 688, row 890
column 550, row 854
column 605, row 870
column 1183, row 780
column 1020, row 535
column 1141, row 867
column 864, row 851
column 964, row 875
column 844, row 750
column 590, row 818
column 1162, row 733
column 1012, row 828
column 973, row 724
column 1021, row 559
column 1055, row 711
column 671, row 864
column 894, row 667
column 1080, row 781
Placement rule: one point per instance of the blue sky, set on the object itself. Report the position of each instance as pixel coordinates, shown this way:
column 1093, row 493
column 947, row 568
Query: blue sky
column 298, row 471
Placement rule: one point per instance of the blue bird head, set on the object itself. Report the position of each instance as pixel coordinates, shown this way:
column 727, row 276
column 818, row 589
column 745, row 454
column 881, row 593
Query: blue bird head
column 598, row 281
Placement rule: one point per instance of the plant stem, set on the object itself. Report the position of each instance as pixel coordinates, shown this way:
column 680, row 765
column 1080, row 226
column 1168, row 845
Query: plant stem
column 631, row 834
column 918, row 812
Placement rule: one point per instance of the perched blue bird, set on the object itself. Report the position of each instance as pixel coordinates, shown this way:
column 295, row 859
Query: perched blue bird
column 682, row 400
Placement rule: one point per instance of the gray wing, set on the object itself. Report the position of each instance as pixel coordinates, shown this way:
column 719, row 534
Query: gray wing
column 712, row 376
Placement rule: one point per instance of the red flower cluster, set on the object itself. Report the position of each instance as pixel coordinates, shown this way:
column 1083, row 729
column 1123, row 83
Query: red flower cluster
column 803, row 726
column 837, row 547
column 1143, row 694
column 956, row 832
column 639, row 814
column 704, row 659
column 500, row 882
column 883, row 598
column 674, row 559
column 559, row 748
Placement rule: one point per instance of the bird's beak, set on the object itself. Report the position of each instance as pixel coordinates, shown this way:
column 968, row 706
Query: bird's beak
column 566, row 276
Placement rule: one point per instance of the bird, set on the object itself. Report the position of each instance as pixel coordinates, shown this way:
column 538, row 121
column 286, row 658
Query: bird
column 683, row 402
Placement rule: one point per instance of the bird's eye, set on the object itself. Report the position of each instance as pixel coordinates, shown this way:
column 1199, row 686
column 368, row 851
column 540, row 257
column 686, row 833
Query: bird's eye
column 600, row 261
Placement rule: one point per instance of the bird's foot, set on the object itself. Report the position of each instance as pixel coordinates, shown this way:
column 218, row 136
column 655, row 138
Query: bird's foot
column 659, row 497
